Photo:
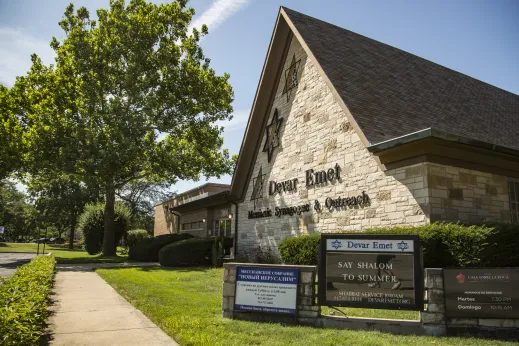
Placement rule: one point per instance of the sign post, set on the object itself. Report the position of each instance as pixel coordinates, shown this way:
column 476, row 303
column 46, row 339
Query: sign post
column 263, row 289
column 481, row 292
column 371, row 271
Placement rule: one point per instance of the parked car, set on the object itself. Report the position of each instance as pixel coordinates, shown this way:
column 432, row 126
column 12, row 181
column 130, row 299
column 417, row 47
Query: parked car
column 43, row 240
column 57, row 241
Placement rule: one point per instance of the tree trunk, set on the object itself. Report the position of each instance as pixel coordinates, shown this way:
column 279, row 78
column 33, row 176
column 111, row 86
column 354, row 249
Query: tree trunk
column 72, row 231
column 109, row 245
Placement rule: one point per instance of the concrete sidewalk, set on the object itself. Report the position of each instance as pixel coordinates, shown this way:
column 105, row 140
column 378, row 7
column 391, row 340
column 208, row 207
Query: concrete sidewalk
column 88, row 311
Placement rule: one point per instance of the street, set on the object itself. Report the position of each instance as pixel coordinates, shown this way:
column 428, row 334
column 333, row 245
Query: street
column 10, row 261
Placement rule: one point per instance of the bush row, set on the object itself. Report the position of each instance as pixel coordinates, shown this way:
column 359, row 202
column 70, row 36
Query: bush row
column 136, row 235
column 23, row 302
column 192, row 251
column 147, row 250
column 444, row 245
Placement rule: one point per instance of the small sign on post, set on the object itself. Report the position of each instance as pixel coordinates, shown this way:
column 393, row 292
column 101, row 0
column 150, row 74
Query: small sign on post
column 481, row 292
column 1, row 229
column 264, row 289
column 371, row 271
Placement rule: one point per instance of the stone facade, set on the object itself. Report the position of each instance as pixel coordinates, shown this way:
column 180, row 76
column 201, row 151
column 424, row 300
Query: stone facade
column 315, row 134
column 468, row 196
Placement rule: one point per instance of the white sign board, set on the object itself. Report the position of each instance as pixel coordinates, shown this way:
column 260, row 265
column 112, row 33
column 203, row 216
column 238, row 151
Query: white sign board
column 369, row 245
column 1, row 229
column 263, row 289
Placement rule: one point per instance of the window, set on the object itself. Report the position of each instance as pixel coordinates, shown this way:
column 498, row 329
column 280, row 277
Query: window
column 513, row 191
column 222, row 228
column 192, row 225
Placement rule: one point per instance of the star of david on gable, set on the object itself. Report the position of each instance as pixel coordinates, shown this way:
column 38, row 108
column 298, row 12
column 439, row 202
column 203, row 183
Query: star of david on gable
column 257, row 187
column 291, row 77
column 403, row 246
column 272, row 133
column 336, row 244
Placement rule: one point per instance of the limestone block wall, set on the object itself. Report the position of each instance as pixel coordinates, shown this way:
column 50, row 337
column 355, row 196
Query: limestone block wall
column 469, row 196
column 315, row 134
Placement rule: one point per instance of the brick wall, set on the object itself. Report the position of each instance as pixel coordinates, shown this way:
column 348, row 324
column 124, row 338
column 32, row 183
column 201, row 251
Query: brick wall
column 195, row 217
column 165, row 222
column 315, row 134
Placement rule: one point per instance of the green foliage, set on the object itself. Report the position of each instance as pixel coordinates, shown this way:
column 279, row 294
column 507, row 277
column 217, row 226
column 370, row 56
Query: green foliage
column 191, row 251
column 444, row 245
column 136, row 235
column 147, row 250
column 17, row 215
column 217, row 252
column 264, row 255
column 10, row 133
column 23, row 302
column 91, row 225
column 119, row 81
column 300, row 250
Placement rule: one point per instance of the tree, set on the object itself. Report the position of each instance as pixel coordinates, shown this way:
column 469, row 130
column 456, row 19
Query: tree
column 140, row 197
column 10, row 134
column 61, row 200
column 119, row 84
column 18, row 217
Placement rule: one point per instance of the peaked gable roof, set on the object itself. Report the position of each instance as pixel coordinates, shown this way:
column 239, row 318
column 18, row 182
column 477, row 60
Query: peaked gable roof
column 386, row 93
column 391, row 93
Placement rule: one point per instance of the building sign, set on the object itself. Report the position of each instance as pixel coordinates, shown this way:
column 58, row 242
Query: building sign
column 481, row 292
column 371, row 271
column 271, row 290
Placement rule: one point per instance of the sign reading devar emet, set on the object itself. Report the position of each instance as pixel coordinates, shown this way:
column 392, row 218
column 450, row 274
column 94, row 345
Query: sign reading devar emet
column 371, row 271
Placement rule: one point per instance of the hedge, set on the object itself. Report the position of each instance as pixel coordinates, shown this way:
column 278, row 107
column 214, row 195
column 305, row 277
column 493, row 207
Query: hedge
column 136, row 235
column 147, row 250
column 91, row 225
column 444, row 245
column 190, row 251
column 23, row 302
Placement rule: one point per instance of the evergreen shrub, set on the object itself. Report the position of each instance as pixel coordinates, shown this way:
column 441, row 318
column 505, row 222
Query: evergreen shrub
column 91, row 225
column 444, row 245
column 147, row 250
column 191, row 251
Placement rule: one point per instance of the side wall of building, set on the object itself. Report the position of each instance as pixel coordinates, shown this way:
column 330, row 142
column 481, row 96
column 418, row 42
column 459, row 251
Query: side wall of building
column 315, row 134
column 468, row 196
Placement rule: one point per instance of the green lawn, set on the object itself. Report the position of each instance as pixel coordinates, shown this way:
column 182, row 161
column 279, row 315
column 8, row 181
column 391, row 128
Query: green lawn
column 186, row 304
column 63, row 254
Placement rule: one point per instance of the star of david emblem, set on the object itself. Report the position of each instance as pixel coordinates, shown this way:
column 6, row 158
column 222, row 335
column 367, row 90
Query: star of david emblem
column 291, row 77
column 336, row 244
column 403, row 246
column 272, row 133
column 257, row 187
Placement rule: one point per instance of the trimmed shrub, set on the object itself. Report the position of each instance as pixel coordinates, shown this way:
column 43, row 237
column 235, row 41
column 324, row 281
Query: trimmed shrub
column 147, row 250
column 136, row 235
column 23, row 302
column 264, row 255
column 300, row 250
column 191, row 251
column 444, row 245
column 91, row 225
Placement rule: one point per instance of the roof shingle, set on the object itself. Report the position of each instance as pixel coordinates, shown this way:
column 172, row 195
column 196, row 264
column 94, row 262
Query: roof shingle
column 391, row 93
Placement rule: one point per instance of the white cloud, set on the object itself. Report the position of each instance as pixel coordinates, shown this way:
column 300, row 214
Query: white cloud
column 238, row 121
column 16, row 48
column 217, row 13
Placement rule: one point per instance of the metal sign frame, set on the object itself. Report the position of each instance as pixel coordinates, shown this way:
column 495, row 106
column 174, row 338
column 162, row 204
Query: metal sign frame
column 417, row 271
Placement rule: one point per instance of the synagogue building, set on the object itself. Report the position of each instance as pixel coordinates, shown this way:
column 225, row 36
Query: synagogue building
column 348, row 133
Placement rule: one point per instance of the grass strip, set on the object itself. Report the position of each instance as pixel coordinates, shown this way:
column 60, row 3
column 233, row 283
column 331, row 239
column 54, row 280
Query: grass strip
column 186, row 304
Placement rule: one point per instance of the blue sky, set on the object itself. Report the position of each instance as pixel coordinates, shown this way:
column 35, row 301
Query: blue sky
column 477, row 38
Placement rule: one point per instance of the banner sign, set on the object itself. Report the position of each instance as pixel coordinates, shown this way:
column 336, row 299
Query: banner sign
column 481, row 292
column 264, row 289
column 375, row 271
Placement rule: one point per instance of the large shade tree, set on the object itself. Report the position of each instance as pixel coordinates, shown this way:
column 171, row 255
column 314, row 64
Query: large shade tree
column 131, row 97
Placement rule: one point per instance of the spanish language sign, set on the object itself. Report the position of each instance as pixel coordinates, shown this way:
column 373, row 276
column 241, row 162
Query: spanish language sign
column 371, row 271
column 264, row 289
column 481, row 292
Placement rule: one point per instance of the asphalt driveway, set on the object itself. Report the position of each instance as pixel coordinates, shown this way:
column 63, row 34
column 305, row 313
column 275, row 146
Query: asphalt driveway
column 9, row 261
